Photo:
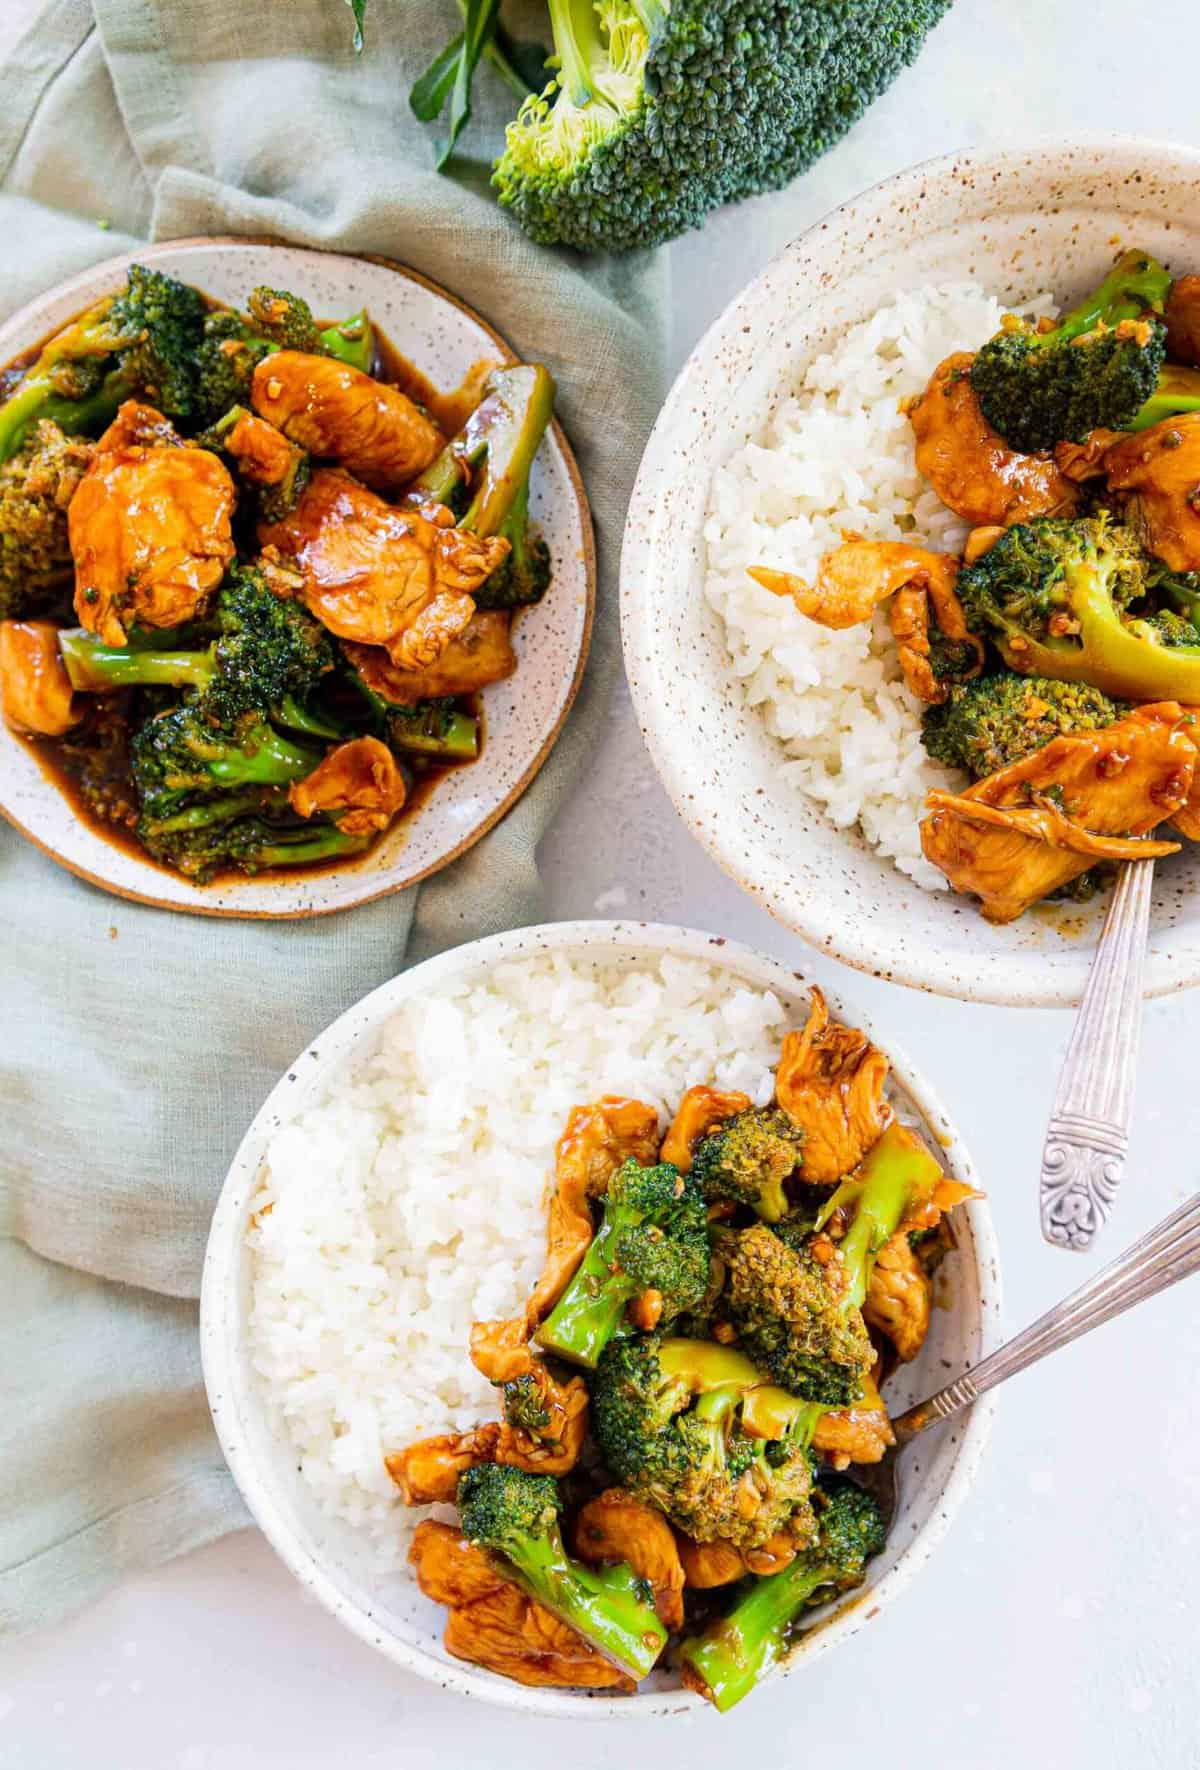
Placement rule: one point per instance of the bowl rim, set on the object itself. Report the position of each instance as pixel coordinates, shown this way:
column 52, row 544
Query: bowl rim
column 222, row 1325
column 853, row 940
column 26, row 315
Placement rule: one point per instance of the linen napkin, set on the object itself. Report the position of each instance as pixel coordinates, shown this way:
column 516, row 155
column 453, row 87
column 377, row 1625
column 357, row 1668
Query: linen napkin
column 135, row 1045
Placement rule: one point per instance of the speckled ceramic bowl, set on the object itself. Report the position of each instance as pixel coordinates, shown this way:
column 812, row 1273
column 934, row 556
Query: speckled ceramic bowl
column 1049, row 216
column 443, row 337
column 334, row 1564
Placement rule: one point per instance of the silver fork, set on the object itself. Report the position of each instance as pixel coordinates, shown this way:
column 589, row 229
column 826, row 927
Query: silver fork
column 1162, row 1257
column 1088, row 1134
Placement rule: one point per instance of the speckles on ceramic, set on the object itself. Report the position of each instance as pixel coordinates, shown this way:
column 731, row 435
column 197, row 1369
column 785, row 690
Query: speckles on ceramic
column 523, row 715
column 330, row 1560
column 1050, row 216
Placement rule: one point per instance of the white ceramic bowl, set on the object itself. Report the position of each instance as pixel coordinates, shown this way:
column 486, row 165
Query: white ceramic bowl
column 326, row 1556
column 1048, row 216
column 443, row 337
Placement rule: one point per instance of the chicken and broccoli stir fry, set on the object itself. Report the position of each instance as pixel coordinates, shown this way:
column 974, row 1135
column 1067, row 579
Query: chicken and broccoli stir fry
column 248, row 588
column 698, row 1364
column 1059, row 657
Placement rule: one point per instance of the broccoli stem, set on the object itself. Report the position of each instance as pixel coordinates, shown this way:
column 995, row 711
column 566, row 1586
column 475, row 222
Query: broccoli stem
column 1135, row 282
column 205, row 815
column 577, row 44
column 454, row 736
column 35, row 398
column 297, row 717
column 737, row 1652
column 589, row 1311
column 893, row 1172
column 502, row 433
column 96, row 668
column 351, row 341
column 265, row 758
column 606, row 1606
column 324, row 843
column 1177, row 393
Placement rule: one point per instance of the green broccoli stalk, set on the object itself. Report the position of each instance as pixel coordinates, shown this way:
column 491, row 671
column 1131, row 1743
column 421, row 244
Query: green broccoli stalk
column 141, row 341
column 735, row 1653
column 653, row 1236
column 432, row 728
column 1177, row 392
column 895, row 1173
column 515, row 1516
column 749, row 1159
column 230, row 833
column 1097, row 366
column 524, row 577
column 1084, row 573
column 999, row 719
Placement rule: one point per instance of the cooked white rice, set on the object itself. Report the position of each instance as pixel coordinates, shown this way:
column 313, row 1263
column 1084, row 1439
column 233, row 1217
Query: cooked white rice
column 838, row 454
column 410, row 1202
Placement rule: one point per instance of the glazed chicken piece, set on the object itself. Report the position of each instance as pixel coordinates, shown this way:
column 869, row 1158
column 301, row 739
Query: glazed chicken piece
column 970, row 466
column 1018, row 835
column 427, row 1472
column 700, row 1111
column 339, row 414
column 482, row 653
column 899, row 1297
column 855, row 577
column 493, row 1624
column 830, row 1082
column 858, row 1434
column 149, row 528
column 1157, row 472
column 500, row 1350
column 614, row 1527
column 778, row 1552
column 707, row 1565
column 553, row 1449
column 263, row 454
column 360, row 782
column 401, row 579
column 35, row 692
column 1086, row 460
column 1182, row 314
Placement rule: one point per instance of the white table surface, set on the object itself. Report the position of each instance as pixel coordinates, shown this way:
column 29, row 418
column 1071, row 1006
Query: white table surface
column 1057, row 1627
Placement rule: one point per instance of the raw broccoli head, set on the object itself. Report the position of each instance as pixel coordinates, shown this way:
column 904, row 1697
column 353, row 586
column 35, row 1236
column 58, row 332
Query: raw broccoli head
column 793, row 1318
column 670, row 1420
column 36, row 485
column 663, row 111
column 1097, row 367
column 653, row 1235
column 749, row 1159
column 1001, row 718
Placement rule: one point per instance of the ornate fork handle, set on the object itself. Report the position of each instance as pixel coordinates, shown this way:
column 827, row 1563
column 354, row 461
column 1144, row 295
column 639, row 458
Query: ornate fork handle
column 1088, row 1135
column 1168, row 1253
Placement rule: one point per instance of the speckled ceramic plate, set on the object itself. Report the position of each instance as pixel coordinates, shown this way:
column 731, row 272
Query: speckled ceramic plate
column 1049, row 216
column 443, row 337
column 332, row 1562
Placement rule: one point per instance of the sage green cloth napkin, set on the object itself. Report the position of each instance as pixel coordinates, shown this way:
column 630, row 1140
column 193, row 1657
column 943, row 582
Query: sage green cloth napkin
column 135, row 1045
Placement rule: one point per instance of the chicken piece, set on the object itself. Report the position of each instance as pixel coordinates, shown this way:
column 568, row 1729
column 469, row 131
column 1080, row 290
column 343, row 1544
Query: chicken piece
column 615, row 1527
column 1187, row 819
column 494, row 1624
column 264, row 455
column 979, row 542
column 149, row 528
column 360, row 781
column 899, row 1297
column 970, row 466
column 427, row 1472
column 553, row 1449
column 778, row 1552
column 830, row 1082
column 1086, row 460
column 853, row 578
column 858, row 1434
column 500, row 1350
column 910, row 629
column 1157, row 473
column 644, row 1312
column 700, row 1111
column 511, row 1634
column 35, row 691
column 597, row 1140
column 1182, row 314
column 401, row 579
column 482, row 653
column 1021, row 833
column 706, row 1565
column 339, row 414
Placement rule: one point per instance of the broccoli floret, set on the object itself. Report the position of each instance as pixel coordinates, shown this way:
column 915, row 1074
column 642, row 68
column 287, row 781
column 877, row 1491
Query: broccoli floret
column 1097, row 366
column 1001, row 718
column 662, row 110
column 695, row 1430
column 749, row 1158
column 793, row 1316
column 524, row 576
column 737, row 1651
column 653, row 1235
column 185, row 752
column 36, row 485
column 1055, row 597
column 524, row 1402
column 142, row 341
column 515, row 1515
column 226, row 358
column 231, row 833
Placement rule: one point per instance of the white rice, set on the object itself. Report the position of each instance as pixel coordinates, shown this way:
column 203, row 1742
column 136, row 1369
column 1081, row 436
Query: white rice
column 410, row 1202
column 838, row 454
